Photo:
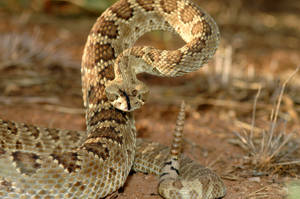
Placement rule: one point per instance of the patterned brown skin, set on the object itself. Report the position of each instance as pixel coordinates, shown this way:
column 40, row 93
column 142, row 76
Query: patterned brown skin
column 38, row 162
column 198, row 28
column 175, row 56
column 148, row 5
column 187, row 14
column 122, row 9
column 106, row 27
column 169, row 6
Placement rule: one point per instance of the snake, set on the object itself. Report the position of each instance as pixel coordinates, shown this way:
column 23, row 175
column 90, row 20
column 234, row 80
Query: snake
column 48, row 163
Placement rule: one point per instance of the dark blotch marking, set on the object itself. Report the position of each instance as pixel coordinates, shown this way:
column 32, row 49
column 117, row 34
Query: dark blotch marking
column 107, row 72
column 73, row 136
column 11, row 126
column 168, row 6
column 112, row 170
column 54, row 134
column 147, row 5
column 96, row 94
column 105, row 28
column 104, row 52
column 96, row 52
column 110, row 133
column 26, row 162
column 33, row 130
column 108, row 115
column 97, row 148
column 154, row 55
column 197, row 28
column 69, row 160
column 6, row 186
column 187, row 14
column 19, row 145
column 77, row 184
column 122, row 9
column 82, row 187
column 112, row 173
column 39, row 146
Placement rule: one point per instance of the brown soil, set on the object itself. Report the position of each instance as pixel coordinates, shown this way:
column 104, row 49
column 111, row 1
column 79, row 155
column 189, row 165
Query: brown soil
column 264, row 37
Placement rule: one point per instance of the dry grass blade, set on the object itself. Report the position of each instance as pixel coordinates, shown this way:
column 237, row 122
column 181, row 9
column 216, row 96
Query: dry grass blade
column 245, row 139
column 275, row 116
column 253, row 119
column 274, row 144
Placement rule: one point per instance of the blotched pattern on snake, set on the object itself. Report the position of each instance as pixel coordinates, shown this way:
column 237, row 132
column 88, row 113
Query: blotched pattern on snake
column 38, row 162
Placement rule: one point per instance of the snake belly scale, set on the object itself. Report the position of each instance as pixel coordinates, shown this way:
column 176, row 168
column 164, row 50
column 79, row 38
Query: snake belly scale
column 37, row 162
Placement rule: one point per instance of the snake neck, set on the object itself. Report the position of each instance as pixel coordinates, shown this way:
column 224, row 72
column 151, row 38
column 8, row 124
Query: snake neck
column 108, row 40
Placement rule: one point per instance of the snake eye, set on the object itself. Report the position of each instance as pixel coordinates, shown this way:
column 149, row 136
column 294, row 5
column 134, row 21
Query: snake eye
column 134, row 92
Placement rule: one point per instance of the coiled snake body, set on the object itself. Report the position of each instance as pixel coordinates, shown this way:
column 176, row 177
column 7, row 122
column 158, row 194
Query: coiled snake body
column 38, row 162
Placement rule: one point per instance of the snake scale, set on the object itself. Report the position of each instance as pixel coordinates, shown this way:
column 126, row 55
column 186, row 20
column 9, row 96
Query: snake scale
column 37, row 162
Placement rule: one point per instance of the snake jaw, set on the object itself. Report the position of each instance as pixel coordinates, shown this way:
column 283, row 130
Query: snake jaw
column 126, row 97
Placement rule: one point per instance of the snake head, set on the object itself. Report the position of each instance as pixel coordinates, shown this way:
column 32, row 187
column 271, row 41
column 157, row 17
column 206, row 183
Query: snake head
column 126, row 96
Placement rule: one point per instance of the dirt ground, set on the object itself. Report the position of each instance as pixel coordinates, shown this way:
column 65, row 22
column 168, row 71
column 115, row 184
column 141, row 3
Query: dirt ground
column 259, row 48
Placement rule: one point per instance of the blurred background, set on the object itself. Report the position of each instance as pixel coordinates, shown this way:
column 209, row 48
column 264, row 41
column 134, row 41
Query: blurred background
column 243, row 106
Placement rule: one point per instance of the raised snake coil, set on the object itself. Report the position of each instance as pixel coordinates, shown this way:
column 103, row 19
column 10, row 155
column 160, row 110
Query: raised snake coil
column 49, row 163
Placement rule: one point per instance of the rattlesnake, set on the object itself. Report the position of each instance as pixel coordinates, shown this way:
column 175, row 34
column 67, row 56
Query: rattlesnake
column 38, row 162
